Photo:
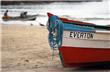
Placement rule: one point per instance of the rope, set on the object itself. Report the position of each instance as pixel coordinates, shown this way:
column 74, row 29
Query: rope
column 55, row 27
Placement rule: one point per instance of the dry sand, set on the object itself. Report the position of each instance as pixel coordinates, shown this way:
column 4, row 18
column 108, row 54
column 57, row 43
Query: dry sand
column 26, row 49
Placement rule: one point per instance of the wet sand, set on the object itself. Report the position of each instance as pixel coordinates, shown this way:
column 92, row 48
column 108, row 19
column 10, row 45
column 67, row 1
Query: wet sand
column 26, row 49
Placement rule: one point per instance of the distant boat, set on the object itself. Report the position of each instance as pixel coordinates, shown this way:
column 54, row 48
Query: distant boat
column 28, row 17
column 79, row 43
column 23, row 16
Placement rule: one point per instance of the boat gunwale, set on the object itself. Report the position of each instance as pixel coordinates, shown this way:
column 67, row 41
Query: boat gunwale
column 81, row 23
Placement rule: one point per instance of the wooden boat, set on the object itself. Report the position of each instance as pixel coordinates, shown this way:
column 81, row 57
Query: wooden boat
column 26, row 18
column 79, row 43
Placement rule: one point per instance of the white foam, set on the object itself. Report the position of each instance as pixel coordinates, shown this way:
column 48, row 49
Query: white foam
column 77, row 10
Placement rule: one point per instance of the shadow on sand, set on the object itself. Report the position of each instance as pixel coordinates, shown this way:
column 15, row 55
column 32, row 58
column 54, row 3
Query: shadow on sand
column 95, row 67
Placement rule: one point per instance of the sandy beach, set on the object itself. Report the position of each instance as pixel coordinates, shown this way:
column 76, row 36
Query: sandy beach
column 26, row 49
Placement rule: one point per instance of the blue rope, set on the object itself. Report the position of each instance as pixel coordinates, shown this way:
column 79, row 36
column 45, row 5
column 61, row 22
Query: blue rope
column 55, row 28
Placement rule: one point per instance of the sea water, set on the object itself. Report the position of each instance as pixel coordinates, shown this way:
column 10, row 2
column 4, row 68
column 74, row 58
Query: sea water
column 75, row 10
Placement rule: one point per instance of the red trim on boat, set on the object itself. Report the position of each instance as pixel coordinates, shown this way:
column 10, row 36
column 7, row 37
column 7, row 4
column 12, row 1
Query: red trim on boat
column 74, row 21
column 49, row 14
column 75, row 56
column 67, row 20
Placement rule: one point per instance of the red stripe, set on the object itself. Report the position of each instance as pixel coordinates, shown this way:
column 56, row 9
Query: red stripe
column 73, row 55
column 67, row 20
column 74, row 21
column 49, row 14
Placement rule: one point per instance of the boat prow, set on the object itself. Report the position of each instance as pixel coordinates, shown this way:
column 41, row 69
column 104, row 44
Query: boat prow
column 79, row 43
